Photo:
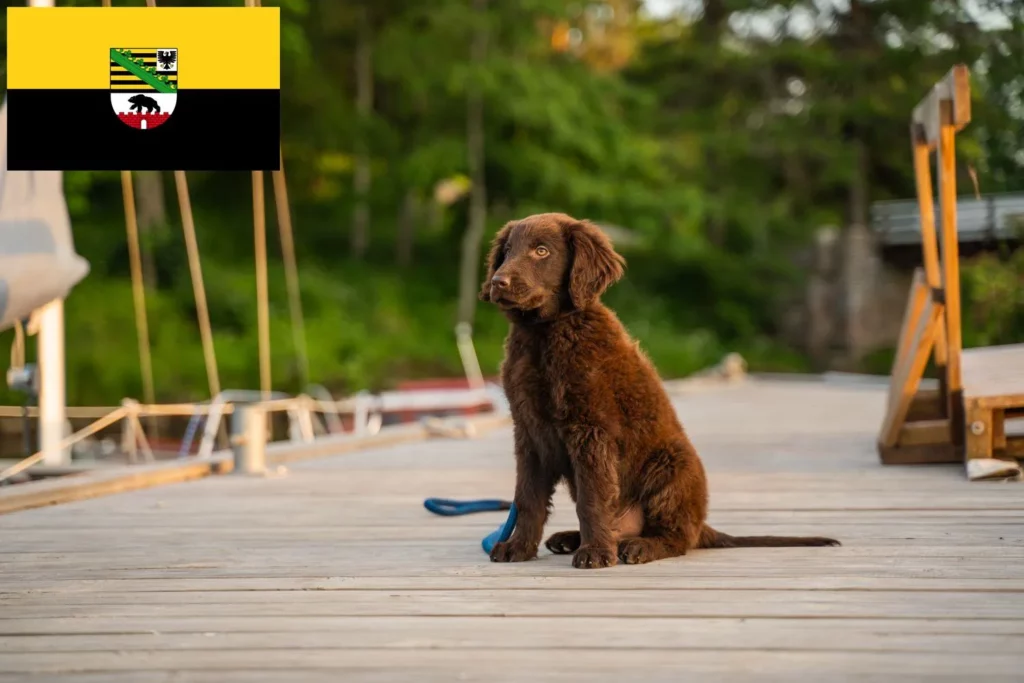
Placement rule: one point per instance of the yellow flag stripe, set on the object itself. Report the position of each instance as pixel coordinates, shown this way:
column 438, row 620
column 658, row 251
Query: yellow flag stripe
column 219, row 48
column 125, row 78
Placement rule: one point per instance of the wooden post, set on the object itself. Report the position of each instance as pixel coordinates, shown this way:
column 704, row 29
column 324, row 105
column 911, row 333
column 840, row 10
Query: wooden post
column 249, row 439
column 291, row 270
column 979, row 437
column 259, row 222
column 138, row 289
column 188, row 228
column 951, row 268
column 929, row 243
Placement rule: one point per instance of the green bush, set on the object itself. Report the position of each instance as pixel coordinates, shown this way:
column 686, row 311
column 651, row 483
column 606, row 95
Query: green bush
column 993, row 299
column 366, row 328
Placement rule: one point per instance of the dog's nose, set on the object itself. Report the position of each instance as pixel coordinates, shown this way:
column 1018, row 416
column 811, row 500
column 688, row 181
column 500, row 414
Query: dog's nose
column 500, row 281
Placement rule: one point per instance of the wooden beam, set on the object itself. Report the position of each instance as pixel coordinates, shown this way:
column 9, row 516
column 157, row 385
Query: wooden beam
column 907, row 375
column 924, row 432
column 979, row 432
column 923, row 454
column 955, row 88
column 929, row 242
column 951, row 271
column 928, row 404
column 916, row 299
column 105, row 482
column 915, row 304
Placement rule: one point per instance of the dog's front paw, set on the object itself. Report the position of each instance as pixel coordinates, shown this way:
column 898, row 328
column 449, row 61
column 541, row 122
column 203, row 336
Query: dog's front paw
column 511, row 551
column 594, row 557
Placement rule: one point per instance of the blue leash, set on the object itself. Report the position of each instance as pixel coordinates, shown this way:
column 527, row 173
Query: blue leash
column 452, row 508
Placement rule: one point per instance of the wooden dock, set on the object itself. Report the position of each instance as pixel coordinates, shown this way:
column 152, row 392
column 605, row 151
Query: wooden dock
column 335, row 572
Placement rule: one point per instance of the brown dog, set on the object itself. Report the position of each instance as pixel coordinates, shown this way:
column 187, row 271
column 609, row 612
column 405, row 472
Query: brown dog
column 588, row 407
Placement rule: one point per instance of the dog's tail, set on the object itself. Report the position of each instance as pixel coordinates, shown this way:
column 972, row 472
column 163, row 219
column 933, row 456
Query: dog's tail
column 709, row 538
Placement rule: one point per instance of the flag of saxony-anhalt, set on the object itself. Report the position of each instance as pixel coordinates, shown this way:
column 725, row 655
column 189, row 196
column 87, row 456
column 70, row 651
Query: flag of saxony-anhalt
column 140, row 88
column 143, row 79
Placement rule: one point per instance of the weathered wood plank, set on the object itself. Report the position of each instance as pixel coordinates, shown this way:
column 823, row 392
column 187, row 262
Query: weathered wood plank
column 524, row 663
column 993, row 376
column 528, row 670
column 522, row 603
column 386, row 673
column 566, row 581
column 403, row 632
column 869, row 533
column 924, row 432
column 954, row 89
column 924, row 319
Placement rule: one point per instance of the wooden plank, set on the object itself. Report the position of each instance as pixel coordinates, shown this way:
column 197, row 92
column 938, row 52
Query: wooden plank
column 969, row 636
column 928, row 404
column 998, row 429
column 530, row 577
column 929, row 241
column 103, row 482
column 951, row 270
column 906, row 381
column 691, row 603
column 959, row 87
column 920, row 454
column 950, row 255
column 979, row 431
column 955, row 89
column 523, row 664
column 924, row 433
column 993, row 376
column 867, row 530
column 535, row 666
column 916, row 298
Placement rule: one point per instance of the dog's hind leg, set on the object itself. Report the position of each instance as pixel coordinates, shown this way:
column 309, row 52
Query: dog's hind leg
column 673, row 519
column 661, row 544
column 563, row 542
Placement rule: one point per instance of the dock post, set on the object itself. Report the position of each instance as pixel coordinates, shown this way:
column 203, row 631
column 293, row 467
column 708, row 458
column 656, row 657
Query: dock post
column 249, row 439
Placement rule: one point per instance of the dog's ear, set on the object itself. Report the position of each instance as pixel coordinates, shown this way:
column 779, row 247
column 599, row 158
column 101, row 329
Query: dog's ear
column 494, row 260
column 595, row 263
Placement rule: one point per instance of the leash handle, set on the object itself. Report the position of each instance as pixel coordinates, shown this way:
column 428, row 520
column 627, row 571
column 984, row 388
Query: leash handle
column 502, row 533
column 447, row 507
column 452, row 508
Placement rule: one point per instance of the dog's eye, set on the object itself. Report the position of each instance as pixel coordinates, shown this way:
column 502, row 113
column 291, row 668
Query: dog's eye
column 542, row 251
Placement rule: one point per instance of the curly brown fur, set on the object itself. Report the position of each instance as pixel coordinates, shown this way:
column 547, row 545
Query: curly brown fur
column 589, row 408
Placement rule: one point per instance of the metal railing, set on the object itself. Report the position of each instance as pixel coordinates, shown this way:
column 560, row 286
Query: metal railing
column 991, row 217
column 367, row 411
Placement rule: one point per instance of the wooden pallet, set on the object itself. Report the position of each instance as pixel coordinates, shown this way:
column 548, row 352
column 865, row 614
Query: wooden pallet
column 993, row 392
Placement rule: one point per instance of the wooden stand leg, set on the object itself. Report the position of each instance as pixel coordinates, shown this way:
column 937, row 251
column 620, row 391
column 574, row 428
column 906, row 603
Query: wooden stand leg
column 998, row 430
column 978, row 432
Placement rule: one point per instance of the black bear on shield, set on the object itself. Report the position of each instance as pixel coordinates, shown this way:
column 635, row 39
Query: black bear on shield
column 140, row 101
